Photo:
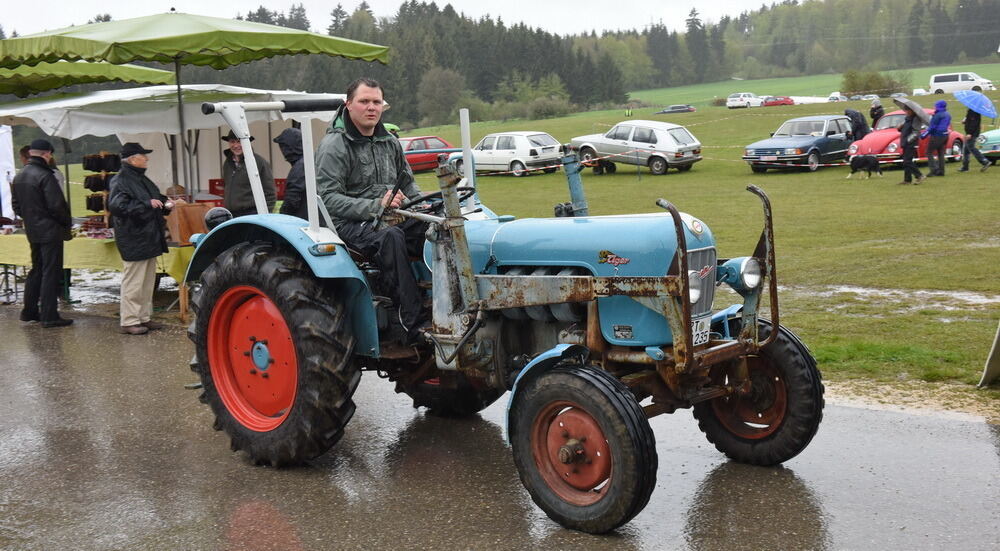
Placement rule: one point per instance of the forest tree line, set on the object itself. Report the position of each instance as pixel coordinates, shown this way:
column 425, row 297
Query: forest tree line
column 441, row 59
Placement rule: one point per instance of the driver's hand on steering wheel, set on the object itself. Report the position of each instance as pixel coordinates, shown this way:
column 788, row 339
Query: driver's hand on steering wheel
column 393, row 202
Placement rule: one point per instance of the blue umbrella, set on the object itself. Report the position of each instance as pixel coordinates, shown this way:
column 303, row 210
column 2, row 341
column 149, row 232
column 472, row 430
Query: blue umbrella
column 977, row 102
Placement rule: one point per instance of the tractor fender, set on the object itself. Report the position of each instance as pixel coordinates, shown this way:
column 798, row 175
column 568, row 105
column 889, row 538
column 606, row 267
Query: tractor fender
column 286, row 231
column 541, row 363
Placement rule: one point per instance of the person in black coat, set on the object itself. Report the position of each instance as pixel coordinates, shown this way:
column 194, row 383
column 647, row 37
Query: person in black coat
column 137, row 213
column 37, row 199
column 876, row 112
column 909, row 136
column 859, row 126
column 290, row 142
column 973, row 124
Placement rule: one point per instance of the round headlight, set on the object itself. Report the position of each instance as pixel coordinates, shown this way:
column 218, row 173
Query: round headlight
column 694, row 291
column 853, row 150
column 892, row 147
column 750, row 273
column 981, row 140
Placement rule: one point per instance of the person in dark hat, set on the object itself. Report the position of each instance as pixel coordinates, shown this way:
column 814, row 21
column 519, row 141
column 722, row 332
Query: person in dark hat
column 238, row 195
column 137, row 214
column 36, row 198
column 290, row 142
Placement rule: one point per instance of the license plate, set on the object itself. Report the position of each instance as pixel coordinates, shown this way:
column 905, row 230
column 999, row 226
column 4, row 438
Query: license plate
column 700, row 329
column 769, row 158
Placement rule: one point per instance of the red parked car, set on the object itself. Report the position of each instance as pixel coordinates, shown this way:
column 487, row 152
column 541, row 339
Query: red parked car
column 883, row 141
column 422, row 161
column 777, row 100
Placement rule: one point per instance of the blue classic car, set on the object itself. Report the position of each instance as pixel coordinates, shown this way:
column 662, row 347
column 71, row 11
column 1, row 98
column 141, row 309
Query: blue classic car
column 805, row 142
column 989, row 144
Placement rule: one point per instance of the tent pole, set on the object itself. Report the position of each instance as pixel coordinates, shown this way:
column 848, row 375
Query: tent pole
column 180, row 119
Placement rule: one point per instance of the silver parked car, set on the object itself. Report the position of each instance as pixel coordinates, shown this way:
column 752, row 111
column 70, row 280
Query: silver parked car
column 658, row 145
column 514, row 152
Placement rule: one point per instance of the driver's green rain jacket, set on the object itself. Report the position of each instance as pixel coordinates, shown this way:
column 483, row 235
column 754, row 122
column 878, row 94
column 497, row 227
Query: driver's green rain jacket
column 353, row 172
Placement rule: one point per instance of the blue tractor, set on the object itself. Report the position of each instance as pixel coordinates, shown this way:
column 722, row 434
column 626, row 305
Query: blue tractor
column 594, row 324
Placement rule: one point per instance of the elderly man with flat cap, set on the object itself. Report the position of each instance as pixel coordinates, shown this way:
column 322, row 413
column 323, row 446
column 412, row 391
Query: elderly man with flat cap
column 137, row 214
column 238, row 195
column 38, row 200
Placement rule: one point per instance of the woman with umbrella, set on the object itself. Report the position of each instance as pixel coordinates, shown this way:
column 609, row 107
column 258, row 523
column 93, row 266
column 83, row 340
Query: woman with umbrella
column 909, row 134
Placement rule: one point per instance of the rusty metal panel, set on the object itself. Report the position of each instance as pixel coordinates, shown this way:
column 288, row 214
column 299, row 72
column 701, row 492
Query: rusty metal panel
column 513, row 291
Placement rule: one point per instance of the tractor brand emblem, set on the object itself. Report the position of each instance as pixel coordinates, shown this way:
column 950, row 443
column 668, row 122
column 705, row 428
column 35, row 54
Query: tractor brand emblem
column 608, row 257
column 696, row 226
column 703, row 273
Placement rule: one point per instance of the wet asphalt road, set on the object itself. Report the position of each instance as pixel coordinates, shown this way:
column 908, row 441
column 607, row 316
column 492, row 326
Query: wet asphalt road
column 101, row 447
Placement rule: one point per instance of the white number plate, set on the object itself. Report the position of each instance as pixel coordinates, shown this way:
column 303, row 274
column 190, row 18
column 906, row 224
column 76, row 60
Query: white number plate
column 700, row 329
column 769, row 158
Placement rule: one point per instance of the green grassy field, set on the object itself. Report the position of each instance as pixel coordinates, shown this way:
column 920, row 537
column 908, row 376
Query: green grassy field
column 871, row 273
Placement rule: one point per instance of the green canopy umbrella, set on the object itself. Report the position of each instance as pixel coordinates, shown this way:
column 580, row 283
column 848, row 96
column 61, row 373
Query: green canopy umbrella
column 178, row 38
column 26, row 80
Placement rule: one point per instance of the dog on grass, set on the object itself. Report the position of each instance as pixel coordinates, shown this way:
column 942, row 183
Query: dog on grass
column 867, row 163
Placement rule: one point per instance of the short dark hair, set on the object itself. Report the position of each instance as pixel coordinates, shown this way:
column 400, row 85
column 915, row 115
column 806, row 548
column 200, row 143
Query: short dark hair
column 367, row 81
column 24, row 151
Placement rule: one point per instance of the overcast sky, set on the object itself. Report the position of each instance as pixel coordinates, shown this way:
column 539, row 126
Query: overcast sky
column 561, row 17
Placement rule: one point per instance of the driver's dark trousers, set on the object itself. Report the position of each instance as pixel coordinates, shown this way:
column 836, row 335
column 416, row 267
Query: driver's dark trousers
column 390, row 248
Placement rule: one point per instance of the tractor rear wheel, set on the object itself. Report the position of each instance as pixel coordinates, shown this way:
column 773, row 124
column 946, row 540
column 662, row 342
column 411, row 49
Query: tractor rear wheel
column 274, row 353
column 583, row 448
column 779, row 416
column 461, row 398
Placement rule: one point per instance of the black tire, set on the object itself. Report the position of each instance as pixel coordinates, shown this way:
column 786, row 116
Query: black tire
column 938, row 91
column 317, row 354
column 550, row 170
column 462, row 398
column 758, row 169
column 812, row 162
column 786, row 386
column 610, row 167
column 684, row 168
column 657, row 165
column 518, row 169
column 587, row 156
column 603, row 490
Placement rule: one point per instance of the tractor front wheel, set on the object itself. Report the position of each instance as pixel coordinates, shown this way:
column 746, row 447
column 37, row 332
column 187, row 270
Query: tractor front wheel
column 274, row 353
column 583, row 448
column 780, row 414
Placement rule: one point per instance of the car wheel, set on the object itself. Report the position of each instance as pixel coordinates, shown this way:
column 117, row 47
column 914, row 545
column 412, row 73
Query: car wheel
column 550, row 170
column 610, row 167
column 957, row 150
column 812, row 163
column 460, row 167
column 518, row 169
column 758, row 169
column 976, row 89
column 658, row 165
column 684, row 168
column 938, row 91
column 587, row 156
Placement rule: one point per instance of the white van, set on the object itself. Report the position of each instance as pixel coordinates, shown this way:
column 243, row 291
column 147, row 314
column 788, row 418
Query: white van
column 952, row 82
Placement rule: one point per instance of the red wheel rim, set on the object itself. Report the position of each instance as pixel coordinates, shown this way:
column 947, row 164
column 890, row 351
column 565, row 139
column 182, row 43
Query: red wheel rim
column 252, row 358
column 571, row 453
column 759, row 413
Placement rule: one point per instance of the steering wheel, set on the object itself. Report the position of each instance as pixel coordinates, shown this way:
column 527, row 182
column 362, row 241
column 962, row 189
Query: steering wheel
column 464, row 192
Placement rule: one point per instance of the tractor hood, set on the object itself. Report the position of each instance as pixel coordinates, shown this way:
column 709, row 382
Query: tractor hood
column 620, row 245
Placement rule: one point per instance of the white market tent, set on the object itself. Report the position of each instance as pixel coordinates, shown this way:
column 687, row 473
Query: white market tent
column 148, row 115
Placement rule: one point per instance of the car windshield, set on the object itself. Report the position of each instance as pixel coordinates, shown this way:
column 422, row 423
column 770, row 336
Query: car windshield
column 681, row 136
column 801, row 128
column 731, row 96
column 890, row 121
column 542, row 140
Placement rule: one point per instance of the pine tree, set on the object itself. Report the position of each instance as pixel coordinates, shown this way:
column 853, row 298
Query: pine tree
column 337, row 19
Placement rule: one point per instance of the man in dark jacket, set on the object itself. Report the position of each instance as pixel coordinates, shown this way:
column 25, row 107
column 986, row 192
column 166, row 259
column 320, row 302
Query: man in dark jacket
column 238, row 195
column 859, row 126
column 37, row 199
column 909, row 132
column 938, row 132
column 137, row 210
column 358, row 164
column 876, row 111
column 972, row 123
column 290, row 142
